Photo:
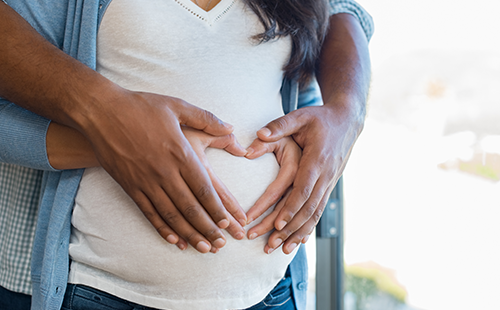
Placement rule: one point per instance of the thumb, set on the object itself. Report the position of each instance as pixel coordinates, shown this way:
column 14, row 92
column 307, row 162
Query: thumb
column 204, row 120
column 286, row 125
column 229, row 144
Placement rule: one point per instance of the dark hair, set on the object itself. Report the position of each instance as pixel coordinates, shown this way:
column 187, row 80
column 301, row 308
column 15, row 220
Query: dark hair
column 305, row 21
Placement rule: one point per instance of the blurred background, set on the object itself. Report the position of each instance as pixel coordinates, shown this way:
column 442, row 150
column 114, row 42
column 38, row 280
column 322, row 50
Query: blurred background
column 422, row 187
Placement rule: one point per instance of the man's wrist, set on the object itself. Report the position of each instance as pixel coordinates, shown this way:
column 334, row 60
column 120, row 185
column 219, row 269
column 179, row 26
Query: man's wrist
column 348, row 112
column 91, row 101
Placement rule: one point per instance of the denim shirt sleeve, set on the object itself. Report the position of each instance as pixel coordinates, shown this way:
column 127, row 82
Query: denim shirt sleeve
column 22, row 133
column 22, row 137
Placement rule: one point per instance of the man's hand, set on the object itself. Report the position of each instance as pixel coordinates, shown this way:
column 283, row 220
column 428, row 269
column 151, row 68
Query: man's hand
column 200, row 141
column 137, row 138
column 326, row 140
column 326, row 133
column 69, row 149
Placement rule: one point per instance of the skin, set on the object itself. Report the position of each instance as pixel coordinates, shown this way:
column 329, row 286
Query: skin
column 137, row 137
column 69, row 149
column 326, row 135
column 207, row 5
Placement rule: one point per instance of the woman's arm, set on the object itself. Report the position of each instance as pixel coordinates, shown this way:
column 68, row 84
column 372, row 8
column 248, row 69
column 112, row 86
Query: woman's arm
column 67, row 148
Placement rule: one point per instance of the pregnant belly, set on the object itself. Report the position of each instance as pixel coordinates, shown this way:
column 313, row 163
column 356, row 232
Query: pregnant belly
column 111, row 240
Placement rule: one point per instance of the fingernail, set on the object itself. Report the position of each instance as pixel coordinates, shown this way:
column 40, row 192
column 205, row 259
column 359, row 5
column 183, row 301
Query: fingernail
column 264, row 132
column 250, row 151
column 240, row 235
column 280, row 225
column 171, row 239
column 270, row 250
column 203, row 247
column 249, row 220
column 252, row 236
column 214, row 250
column 227, row 125
column 304, row 240
column 242, row 222
column 219, row 243
column 223, row 224
column 277, row 243
column 181, row 247
column 291, row 247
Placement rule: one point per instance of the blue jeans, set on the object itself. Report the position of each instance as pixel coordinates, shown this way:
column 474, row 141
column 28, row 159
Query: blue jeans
column 80, row 297
column 12, row 300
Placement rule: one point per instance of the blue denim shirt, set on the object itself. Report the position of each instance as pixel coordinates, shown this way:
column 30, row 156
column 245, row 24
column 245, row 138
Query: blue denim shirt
column 72, row 26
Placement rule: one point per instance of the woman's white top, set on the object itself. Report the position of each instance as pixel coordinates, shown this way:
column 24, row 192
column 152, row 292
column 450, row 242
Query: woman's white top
column 209, row 59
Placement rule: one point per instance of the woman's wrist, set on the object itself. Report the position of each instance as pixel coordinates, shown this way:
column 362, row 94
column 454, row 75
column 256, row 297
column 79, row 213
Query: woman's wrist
column 68, row 149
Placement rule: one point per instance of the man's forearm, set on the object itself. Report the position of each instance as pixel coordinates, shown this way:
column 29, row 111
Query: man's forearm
column 41, row 78
column 344, row 67
column 326, row 134
column 136, row 136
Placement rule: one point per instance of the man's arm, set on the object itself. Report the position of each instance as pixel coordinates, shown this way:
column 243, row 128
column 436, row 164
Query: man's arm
column 326, row 133
column 136, row 136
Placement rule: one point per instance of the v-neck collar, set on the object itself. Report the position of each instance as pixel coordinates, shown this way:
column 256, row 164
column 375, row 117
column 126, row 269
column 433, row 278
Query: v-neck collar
column 211, row 16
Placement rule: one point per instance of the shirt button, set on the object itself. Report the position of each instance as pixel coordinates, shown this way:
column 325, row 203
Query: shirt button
column 302, row 286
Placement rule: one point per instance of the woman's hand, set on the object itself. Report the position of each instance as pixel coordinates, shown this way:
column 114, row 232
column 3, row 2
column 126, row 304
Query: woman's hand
column 199, row 141
column 326, row 138
column 288, row 155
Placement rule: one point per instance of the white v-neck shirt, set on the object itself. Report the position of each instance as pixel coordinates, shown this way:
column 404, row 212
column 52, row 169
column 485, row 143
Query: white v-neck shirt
column 175, row 48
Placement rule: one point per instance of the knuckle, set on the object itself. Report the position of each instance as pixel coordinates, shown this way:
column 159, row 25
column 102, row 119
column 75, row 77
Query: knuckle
column 322, row 158
column 280, row 123
column 170, row 217
column 286, row 232
column 309, row 210
column 209, row 116
column 192, row 238
column 298, row 236
column 179, row 152
column 330, row 174
column 191, row 212
column 212, row 234
column 224, row 197
column 149, row 215
column 163, row 229
column 288, row 215
column 203, row 192
column 316, row 217
column 306, row 192
column 275, row 197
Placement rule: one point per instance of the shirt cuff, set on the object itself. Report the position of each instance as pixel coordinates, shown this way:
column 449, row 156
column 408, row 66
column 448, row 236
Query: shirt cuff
column 23, row 137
